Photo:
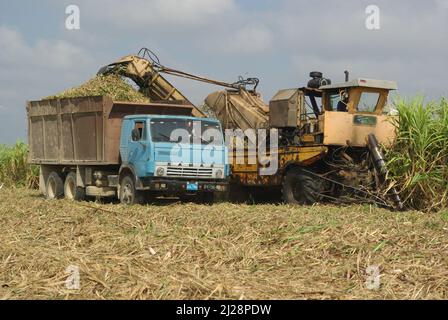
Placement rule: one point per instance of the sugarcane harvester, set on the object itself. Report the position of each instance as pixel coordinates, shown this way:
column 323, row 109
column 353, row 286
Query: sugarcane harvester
column 330, row 138
column 329, row 135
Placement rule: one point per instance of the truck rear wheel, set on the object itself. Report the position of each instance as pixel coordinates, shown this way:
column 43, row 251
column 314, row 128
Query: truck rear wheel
column 54, row 188
column 128, row 194
column 301, row 187
column 71, row 190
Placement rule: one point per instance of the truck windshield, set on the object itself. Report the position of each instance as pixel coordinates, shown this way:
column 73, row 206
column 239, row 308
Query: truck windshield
column 186, row 131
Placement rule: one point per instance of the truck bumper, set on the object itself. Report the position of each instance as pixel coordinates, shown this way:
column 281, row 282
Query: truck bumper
column 183, row 186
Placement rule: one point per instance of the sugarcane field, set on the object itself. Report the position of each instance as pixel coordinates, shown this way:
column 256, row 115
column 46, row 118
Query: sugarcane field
column 283, row 154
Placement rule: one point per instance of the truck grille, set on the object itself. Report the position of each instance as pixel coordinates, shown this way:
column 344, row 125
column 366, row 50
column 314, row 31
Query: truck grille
column 189, row 172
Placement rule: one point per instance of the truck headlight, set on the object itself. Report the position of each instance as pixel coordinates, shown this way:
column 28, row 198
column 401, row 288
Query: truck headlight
column 160, row 171
column 219, row 174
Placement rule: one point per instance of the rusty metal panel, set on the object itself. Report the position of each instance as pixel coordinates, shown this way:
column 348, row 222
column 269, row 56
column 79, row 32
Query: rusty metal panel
column 86, row 137
column 51, row 141
column 68, row 147
column 36, row 127
column 285, row 108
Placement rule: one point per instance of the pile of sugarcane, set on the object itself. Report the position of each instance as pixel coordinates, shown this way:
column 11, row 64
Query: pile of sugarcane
column 111, row 85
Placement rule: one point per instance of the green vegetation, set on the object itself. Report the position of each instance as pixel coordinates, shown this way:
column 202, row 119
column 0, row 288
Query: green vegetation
column 418, row 161
column 14, row 169
column 105, row 85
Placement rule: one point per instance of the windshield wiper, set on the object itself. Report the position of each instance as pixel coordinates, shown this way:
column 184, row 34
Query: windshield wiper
column 168, row 138
column 202, row 140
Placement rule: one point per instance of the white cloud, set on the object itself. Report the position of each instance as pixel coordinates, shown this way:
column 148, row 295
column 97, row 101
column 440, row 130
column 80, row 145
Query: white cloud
column 34, row 70
column 56, row 55
column 249, row 39
column 443, row 4
column 252, row 38
column 411, row 76
column 161, row 13
column 191, row 11
column 410, row 47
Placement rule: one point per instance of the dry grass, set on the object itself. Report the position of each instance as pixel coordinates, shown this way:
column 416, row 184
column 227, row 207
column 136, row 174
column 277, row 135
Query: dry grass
column 225, row 251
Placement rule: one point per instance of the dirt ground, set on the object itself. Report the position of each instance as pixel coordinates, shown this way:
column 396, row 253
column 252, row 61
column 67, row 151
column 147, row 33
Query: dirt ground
column 226, row 251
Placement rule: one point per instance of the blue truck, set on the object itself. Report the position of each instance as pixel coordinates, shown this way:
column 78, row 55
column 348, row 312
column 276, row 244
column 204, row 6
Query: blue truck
column 97, row 147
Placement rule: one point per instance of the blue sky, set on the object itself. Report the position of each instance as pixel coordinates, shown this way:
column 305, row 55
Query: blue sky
column 278, row 41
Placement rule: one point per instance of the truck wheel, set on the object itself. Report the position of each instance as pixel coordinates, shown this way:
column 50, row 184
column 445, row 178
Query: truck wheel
column 54, row 188
column 128, row 194
column 71, row 190
column 300, row 187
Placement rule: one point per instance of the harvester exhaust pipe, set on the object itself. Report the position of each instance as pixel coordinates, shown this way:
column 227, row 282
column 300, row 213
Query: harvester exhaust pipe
column 347, row 76
column 380, row 167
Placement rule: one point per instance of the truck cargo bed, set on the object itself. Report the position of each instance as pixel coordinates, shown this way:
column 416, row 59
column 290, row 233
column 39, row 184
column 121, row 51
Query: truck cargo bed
column 76, row 131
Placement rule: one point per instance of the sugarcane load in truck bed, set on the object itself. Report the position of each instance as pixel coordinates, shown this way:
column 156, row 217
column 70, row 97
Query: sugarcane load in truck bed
column 96, row 147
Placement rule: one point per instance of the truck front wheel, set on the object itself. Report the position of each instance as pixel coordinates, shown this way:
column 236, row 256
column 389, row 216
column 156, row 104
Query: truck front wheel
column 301, row 187
column 128, row 194
column 54, row 188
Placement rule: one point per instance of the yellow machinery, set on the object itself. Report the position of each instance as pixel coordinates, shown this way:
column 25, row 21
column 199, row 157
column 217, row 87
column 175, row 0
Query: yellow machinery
column 329, row 144
column 147, row 77
column 328, row 134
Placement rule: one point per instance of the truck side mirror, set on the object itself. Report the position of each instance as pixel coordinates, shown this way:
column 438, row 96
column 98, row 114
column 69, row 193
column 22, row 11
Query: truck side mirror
column 136, row 135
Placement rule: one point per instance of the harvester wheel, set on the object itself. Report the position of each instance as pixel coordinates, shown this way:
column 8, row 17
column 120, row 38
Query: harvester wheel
column 54, row 188
column 71, row 190
column 128, row 194
column 301, row 187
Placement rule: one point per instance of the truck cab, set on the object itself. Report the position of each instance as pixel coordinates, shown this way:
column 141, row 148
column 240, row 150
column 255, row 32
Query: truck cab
column 171, row 155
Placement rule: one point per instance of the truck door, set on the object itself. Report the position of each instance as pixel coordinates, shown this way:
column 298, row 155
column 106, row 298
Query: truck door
column 138, row 148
